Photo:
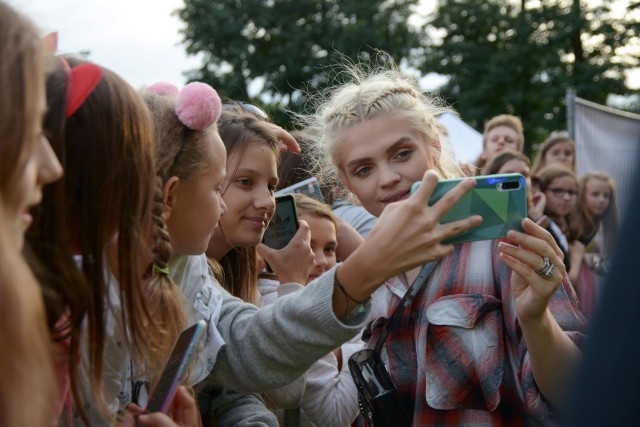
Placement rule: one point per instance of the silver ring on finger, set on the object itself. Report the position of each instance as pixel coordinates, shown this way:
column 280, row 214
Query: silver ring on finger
column 547, row 269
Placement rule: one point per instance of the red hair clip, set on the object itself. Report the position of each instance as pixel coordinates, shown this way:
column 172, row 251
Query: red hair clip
column 81, row 81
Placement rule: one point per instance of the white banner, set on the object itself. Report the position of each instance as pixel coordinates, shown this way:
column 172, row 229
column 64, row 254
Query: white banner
column 608, row 140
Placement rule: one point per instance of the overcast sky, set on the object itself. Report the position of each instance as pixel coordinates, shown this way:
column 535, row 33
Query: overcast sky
column 138, row 39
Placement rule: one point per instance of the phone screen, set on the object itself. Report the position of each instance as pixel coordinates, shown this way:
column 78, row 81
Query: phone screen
column 309, row 187
column 181, row 356
column 501, row 201
column 284, row 224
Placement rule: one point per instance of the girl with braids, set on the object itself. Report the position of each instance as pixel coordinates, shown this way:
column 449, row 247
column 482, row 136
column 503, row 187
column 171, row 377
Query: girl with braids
column 89, row 242
column 188, row 204
column 484, row 341
column 27, row 163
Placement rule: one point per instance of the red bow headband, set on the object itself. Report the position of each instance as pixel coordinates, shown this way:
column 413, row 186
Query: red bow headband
column 81, row 81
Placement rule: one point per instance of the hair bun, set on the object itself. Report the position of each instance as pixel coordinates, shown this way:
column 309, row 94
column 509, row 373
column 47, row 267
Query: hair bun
column 198, row 106
column 162, row 89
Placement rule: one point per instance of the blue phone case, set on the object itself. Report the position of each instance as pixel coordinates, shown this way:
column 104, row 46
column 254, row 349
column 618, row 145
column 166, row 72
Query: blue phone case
column 500, row 199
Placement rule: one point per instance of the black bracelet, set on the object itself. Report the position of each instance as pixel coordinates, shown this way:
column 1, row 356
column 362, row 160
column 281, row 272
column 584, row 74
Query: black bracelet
column 344, row 291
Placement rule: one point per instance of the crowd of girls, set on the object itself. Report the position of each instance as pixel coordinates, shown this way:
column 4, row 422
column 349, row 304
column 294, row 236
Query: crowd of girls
column 127, row 215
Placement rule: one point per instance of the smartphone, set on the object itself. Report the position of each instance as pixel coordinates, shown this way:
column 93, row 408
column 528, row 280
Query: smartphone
column 501, row 201
column 174, row 371
column 308, row 187
column 284, row 224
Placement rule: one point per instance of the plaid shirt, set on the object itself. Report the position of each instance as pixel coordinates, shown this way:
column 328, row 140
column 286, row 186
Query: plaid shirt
column 459, row 357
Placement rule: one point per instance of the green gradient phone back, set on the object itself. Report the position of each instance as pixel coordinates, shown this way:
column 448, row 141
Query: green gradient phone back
column 501, row 200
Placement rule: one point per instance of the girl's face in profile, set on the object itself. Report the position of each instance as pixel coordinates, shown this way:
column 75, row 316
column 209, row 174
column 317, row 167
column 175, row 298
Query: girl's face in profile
column 41, row 167
column 562, row 153
column 379, row 159
column 323, row 242
column 597, row 196
column 199, row 204
column 249, row 194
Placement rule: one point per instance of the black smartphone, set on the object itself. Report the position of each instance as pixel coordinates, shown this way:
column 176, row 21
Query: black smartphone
column 284, row 223
column 175, row 369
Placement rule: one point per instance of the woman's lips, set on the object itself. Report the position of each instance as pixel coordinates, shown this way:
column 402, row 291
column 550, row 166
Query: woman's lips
column 396, row 197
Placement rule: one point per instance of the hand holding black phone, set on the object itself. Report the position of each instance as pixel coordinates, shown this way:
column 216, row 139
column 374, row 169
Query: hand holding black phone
column 283, row 225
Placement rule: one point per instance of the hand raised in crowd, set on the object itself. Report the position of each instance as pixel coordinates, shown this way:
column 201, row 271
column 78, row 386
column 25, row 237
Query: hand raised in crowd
column 296, row 261
column 289, row 143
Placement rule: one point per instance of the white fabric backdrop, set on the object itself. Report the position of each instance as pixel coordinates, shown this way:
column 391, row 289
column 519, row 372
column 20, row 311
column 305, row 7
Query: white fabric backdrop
column 608, row 140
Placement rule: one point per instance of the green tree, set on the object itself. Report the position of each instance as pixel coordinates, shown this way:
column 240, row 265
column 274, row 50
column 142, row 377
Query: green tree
column 520, row 57
column 284, row 46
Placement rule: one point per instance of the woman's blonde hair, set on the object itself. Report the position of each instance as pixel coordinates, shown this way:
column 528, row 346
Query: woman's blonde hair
column 306, row 204
column 371, row 93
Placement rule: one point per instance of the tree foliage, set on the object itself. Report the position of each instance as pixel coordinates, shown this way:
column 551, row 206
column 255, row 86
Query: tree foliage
column 284, row 46
column 503, row 56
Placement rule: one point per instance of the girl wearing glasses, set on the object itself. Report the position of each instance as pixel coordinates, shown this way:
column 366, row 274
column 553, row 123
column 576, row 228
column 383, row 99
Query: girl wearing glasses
column 560, row 187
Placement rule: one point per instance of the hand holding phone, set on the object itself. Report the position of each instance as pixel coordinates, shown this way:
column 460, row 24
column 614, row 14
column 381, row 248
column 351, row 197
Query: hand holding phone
column 284, row 223
column 175, row 369
column 500, row 199
column 293, row 263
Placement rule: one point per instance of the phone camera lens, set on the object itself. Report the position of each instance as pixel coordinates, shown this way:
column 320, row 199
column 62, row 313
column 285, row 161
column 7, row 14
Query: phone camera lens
column 513, row 185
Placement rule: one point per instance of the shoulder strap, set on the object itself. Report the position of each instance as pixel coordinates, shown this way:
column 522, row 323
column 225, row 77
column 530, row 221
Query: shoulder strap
column 416, row 286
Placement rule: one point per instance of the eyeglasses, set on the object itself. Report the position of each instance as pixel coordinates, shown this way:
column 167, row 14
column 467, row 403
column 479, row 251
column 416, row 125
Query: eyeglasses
column 560, row 192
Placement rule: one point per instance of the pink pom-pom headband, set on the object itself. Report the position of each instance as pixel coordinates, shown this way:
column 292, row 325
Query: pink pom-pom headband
column 198, row 105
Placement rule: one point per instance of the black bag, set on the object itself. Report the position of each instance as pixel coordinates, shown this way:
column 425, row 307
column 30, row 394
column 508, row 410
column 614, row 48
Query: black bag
column 378, row 398
column 377, row 395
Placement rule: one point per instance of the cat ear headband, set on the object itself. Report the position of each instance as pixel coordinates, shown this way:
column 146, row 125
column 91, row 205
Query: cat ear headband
column 198, row 105
column 81, row 80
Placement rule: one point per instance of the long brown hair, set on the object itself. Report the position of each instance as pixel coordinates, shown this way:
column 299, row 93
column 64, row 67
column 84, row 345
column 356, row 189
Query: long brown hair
column 179, row 152
column 106, row 148
column 27, row 384
column 585, row 226
column 238, row 129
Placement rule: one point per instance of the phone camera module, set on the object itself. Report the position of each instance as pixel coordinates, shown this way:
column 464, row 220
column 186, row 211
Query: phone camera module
column 512, row 185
